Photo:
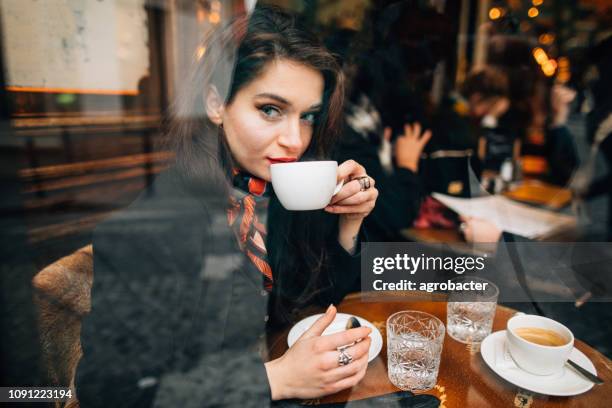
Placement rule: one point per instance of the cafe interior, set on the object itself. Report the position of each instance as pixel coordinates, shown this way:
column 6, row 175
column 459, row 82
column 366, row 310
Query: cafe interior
column 513, row 104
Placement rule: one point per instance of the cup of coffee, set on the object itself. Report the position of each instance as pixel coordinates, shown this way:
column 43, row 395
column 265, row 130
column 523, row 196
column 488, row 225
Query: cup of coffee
column 537, row 344
column 302, row 186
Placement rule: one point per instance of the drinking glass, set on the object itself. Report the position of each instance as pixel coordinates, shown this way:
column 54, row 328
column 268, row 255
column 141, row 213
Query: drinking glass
column 470, row 313
column 414, row 346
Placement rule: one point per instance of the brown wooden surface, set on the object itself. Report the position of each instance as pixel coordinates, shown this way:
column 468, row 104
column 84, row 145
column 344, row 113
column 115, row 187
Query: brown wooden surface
column 464, row 379
column 540, row 193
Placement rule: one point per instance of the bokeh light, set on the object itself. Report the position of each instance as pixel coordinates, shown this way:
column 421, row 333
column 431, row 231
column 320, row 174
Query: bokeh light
column 495, row 13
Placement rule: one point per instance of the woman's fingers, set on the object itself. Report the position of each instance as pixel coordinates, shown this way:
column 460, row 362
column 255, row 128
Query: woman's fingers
column 321, row 324
column 416, row 130
column 359, row 197
column 337, row 373
column 357, row 351
column 348, row 382
column 408, row 132
column 350, row 190
column 349, row 170
column 360, row 349
column 369, row 200
column 425, row 138
column 363, row 209
column 351, row 200
column 333, row 341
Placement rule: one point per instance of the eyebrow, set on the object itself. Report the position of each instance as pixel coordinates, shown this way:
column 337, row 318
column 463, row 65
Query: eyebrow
column 283, row 100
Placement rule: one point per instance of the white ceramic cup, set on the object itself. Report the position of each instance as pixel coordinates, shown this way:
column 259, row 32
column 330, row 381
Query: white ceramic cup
column 535, row 358
column 302, row 186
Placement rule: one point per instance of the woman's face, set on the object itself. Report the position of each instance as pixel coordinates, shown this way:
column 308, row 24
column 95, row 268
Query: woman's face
column 271, row 120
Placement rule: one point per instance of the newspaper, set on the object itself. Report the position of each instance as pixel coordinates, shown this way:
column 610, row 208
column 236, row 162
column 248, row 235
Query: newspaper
column 509, row 216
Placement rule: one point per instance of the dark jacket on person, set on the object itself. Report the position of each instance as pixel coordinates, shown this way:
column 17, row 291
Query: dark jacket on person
column 400, row 190
column 179, row 313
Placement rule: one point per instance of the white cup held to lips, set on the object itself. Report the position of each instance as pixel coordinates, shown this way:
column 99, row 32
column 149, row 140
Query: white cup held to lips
column 302, row 186
column 536, row 358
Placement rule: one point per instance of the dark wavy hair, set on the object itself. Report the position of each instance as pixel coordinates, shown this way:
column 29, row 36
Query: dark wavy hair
column 234, row 56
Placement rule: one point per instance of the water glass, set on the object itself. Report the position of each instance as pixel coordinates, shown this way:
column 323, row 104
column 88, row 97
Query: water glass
column 414, row 347
column 470, row 313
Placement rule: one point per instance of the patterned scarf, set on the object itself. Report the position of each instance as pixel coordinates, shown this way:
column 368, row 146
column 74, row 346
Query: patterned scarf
column 246, row 216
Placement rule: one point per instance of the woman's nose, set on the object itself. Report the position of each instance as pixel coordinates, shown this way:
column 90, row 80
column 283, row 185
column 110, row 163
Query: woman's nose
column 291, row 138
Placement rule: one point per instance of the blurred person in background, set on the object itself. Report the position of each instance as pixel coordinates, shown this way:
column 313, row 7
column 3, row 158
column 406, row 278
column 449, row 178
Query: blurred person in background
column 599, row 129
column 536, row 102
column 392, row 63
column 469, row 133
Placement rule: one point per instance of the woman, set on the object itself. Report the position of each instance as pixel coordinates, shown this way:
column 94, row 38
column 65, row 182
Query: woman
column 188, row 277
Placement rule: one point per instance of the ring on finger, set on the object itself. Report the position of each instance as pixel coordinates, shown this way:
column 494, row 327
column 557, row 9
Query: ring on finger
column 344, row 358
column 364, row 182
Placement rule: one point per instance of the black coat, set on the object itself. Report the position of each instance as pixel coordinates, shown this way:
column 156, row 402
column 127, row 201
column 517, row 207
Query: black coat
column 178, row 312
column 400, row 192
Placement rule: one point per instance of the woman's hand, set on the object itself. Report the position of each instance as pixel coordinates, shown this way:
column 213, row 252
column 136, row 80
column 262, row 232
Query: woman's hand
column 409, row 146
column 353, row 202
column 479, row 231
column 310, row 369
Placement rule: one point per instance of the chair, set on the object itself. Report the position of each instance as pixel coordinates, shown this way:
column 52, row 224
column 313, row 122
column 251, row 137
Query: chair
column 62, row 295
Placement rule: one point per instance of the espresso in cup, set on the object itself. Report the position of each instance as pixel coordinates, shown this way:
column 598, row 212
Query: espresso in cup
column 302, row 186
column 537, row 344
column 543, row 337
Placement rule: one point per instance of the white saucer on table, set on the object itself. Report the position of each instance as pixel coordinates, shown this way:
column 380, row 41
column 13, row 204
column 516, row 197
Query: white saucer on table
column 565, row 383
column 338, row 325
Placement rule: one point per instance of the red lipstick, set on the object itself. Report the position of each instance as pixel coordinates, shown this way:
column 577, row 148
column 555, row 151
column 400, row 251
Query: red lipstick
column 274, row 160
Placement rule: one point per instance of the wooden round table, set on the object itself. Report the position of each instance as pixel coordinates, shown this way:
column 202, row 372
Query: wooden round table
column 464, row 379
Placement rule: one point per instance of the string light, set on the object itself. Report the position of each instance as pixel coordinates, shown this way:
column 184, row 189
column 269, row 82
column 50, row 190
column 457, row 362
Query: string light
column 540, row 55
column 533, row 12
column 546, row 39
column 564, row 74
column 495, row 13
column 549, row 67
column 537, row 2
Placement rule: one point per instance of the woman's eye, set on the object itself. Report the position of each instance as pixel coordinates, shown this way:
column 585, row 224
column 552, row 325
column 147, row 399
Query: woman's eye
column 270, row 111
column 309, row 118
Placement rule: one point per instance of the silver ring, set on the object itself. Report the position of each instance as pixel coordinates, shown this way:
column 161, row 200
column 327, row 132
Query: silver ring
column 364, row 182
column 344, row 358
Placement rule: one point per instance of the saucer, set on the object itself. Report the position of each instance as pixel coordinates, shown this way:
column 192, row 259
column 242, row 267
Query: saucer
column 336, row 326
column 564, row 383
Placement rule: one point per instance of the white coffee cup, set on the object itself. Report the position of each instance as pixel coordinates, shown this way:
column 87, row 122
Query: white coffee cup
column 302, row 186
column 536, row 358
